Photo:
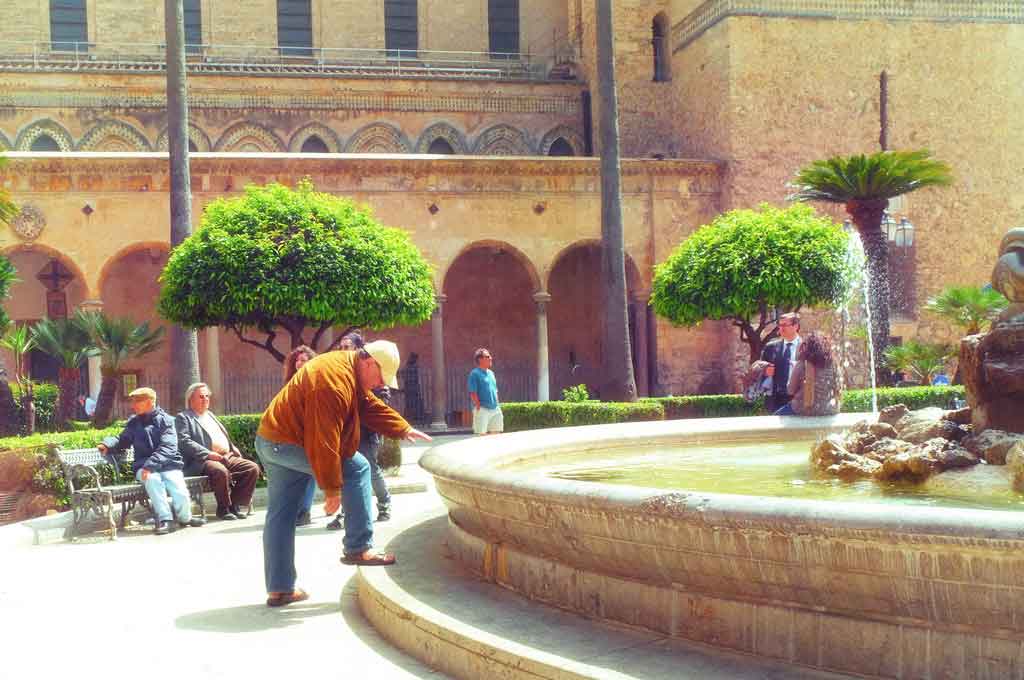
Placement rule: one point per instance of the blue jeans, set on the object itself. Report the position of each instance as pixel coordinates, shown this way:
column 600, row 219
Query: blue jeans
column 786, row 410
column 158, row 486
column 307, row 500
column 288, row 474
column 380, row 486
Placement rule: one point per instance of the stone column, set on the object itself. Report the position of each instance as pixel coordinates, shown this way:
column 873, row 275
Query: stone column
column 542, row 299
column 94, row 363
column 641, row 300
column 438, row 388
column 211, row 374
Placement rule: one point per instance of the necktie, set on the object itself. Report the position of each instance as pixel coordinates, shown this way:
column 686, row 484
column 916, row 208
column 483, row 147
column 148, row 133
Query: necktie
column 782, row 370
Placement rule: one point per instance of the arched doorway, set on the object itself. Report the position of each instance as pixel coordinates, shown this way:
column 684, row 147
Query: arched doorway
column 576, row 318
column 314, row 144
column 560, row 147
column 489, row 303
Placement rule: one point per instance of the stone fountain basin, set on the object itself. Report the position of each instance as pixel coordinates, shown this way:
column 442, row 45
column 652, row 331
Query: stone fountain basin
column 851, row 587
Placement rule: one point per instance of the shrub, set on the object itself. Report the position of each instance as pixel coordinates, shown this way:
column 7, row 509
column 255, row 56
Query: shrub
column 707, row 406
column 389, row 455
column 577, row 393
column 855, row 401
column 540, row 415
column 46, row 395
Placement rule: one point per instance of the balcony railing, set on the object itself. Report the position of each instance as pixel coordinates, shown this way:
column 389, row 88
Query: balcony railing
column 284, row 60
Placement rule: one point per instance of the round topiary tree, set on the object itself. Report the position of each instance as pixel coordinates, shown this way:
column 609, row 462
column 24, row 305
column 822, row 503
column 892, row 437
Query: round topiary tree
column 748, row 265
column 282, row 260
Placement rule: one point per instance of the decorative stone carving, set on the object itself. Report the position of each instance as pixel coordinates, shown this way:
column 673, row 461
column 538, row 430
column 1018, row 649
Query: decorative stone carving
column 46, row 127
column 502, row 140
column 442, row 131
column 200, row 140
column 250, row 138
column 113, row 135
column 29, row 222
column 1008, row 276
column 378, row 138
column 323, row 132
column 573, row 138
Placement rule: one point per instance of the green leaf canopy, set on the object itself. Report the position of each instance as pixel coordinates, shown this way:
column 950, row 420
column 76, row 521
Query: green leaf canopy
column 747, row 263
column 881, row 175
column 278, row 257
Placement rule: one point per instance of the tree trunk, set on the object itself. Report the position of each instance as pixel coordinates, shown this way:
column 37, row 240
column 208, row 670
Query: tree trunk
column 28, row 406
column 105, row 401
column 184, row 343
column 620, row 383
column 9, row 424
column 867, row 216
column 68, row 379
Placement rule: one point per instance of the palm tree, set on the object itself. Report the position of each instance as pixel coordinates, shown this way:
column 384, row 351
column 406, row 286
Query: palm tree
column 18, row 341
column 67, row 341
column 972, row 309
column 118, row 340
column 8, row 411
column 920, row 360
column 864, row 184
column 7, row 208
column 618, row 363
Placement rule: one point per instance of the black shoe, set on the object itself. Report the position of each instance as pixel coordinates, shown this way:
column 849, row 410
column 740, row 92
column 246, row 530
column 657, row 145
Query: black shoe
column 237, row 512
column 227, row 514
column 383, row 514
column 194, row 522
column 336, row 524
column 304, row 519
column 163, row 527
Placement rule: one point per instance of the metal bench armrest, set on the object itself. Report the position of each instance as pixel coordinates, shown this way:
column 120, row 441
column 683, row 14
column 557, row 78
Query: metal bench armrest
column 89, row 470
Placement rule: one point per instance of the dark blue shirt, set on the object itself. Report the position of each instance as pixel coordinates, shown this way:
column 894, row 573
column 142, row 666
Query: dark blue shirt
column 154, row 441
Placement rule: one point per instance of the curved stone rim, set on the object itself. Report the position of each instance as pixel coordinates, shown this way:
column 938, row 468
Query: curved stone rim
column 484, row 463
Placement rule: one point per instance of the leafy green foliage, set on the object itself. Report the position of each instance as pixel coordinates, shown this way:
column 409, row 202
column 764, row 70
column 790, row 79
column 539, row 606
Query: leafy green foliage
column 44, row 396
column 8, row 278
column 119, row 339
column 65, row 340
column 885, row 174
column 7, row 208
column 972, row 309
column 389, row 455
column 920, row 360
column 281, row 258
column 538, row 415
column 747, row 262
column 576, row 393
column 707, row 406
column 859, row 401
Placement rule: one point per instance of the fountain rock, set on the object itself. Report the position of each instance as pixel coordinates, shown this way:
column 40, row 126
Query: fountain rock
column 920, row 462
column 928, row 423
column 992, row 365
column 1015, row 461
column 891, row 415
column 992, row 445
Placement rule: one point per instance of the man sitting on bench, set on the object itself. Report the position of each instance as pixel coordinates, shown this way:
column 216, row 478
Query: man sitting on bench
column 157, row 463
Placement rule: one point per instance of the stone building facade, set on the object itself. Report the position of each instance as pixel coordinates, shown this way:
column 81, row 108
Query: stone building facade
column 750, row 90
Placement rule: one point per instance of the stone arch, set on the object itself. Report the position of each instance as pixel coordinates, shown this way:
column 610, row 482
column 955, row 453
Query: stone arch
column 502, row 140
column 5, row 145
column 249, row 137
column 522, row 258
column 378, row 138
column 455, row 139
column 576, row 316
column 324, row 133
column 564, row 132
column 153, row 247
column 113, row 135
column 489, row 288
column 197, row 136
column 48, row 128
column 28, row 295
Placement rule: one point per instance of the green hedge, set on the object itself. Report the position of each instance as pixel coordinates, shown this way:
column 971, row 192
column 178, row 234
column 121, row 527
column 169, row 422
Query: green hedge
column 539, row 415
column 46, row 405
column 707, row 406
column 856, row 401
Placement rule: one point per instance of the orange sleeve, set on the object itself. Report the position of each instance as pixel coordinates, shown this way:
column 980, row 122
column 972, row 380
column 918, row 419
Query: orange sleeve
column 323, row 423
column 381, row 418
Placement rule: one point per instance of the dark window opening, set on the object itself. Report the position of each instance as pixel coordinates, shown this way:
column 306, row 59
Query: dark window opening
column 295, row 28
column 440, row 146
column 314, row 144
column 401, row 28
column 560, row 147
column 44, row 143
column 193, row 27
column 662, row 54
column 503, row 26
column 68, row 29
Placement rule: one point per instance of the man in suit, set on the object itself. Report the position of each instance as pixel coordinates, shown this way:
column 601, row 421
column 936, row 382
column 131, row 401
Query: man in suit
column 780, row 354
column 207, row 450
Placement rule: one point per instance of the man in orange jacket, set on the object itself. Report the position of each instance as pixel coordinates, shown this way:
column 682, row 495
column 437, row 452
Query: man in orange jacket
column 311, row 428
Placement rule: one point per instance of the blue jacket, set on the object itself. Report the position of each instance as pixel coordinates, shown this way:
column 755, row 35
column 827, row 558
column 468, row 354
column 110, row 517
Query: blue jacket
column 153, row 439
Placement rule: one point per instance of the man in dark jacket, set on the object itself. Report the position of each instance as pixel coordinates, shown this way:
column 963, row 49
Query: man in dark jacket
column 156, row 463
column 207, row 450
column 781, row 357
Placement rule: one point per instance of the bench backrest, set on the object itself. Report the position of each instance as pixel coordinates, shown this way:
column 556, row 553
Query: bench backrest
column 69, row 458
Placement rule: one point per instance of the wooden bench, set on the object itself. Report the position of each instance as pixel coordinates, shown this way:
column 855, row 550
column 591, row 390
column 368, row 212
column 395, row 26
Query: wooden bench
column 93, row 497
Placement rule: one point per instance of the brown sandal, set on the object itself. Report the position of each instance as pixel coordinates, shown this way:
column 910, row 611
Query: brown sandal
column 374, row 560
column 281, row 599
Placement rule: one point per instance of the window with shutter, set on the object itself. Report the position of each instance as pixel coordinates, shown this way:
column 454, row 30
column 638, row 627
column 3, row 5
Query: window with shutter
column 401, row 28
column 295, row 28
column 503, row 26
column 193, row 26
column 68, row 29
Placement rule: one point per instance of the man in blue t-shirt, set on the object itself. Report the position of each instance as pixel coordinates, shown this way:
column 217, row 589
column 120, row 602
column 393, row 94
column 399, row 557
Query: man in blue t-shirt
column 483, row 391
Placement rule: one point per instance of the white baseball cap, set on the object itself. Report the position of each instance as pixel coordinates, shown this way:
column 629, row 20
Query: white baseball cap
column 385, row 353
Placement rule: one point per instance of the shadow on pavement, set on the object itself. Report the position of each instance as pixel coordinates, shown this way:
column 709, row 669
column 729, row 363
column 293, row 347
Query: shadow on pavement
column 254, row 617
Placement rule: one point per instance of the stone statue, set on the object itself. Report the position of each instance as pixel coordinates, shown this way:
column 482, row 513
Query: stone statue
column 1008, row 275
column 992, row 364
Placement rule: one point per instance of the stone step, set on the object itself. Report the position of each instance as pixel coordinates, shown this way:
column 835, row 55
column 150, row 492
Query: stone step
column 433, row 609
